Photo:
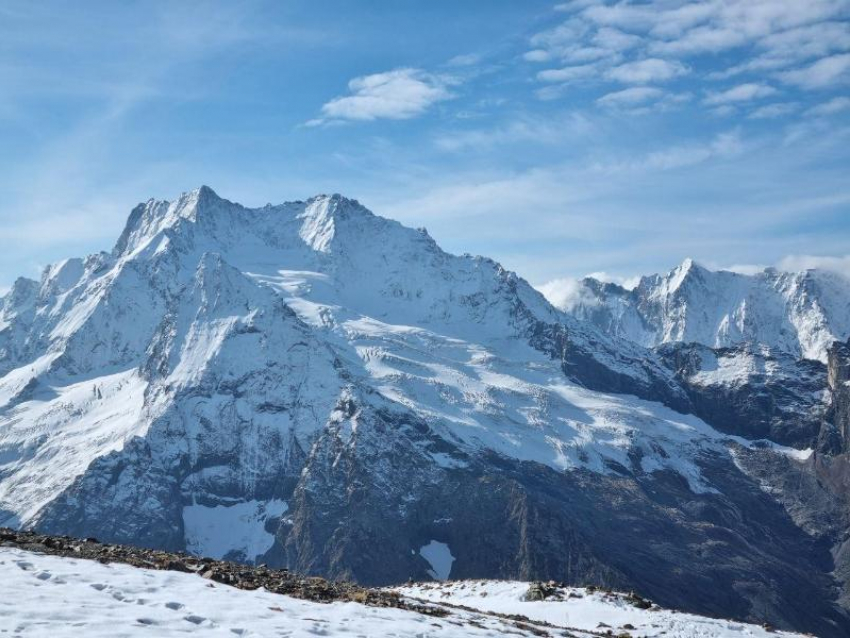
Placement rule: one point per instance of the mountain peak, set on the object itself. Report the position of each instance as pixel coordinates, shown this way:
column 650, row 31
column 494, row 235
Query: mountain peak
column 152, row 217
column 197, row 200
column 689, row 265
column 22, row 292
column 320, row 215
column 340, row 205
column 205, row 191
column 685, row 271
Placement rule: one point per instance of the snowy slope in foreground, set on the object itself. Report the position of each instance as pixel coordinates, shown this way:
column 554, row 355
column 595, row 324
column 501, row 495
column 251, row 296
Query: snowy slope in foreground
column 48, row 595
column 52, row 596
column 577, row 609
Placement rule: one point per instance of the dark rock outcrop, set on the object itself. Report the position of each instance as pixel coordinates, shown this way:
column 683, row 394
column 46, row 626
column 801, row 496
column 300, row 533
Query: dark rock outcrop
column 752, row 393
column 835, row 434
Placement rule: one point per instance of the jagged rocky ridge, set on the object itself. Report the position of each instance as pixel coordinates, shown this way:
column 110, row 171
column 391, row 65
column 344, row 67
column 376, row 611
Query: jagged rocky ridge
column 312, row 386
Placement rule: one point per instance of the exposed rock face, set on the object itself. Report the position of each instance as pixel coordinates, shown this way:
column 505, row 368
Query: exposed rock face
column 835, row 435
column 312, row 386
column 752, row 393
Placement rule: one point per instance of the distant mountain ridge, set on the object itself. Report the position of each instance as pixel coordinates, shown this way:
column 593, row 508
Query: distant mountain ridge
column 314, row 386
column 798, row 313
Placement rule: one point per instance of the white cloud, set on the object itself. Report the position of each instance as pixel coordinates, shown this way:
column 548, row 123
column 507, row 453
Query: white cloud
column 645, row 71
column 568, row 74
column 574, row 5
column 630, row 96
column 702, row 39
column 794, row 263
column 561, row 38
column 713, row 26
column 646, row 42
column 772, row 111
column 724, row 145
column 397, row 95
column 825, row 73
column 744, row 269
column 806, row 42
column 792, row 47
column 741, row 93
column 537, row 55
column 831, row 107
column 615, row 40
column 567, row 293
column 467, row 59
column 724, row 110
column 619, row 209
column 629, row 283
column 543, row 131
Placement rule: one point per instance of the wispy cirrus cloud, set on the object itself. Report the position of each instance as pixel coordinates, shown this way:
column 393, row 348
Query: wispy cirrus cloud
column 772, row 111
column 790, row 48
column 647, row 71
column 639, row 100
column 547, row 131
column 801, row 44
column 141, row 101
column 838, row 264
column 741, row 93
column 630, row 96
column 568, row 73
column 830, row 107
column 399, row 94
column 825, row 73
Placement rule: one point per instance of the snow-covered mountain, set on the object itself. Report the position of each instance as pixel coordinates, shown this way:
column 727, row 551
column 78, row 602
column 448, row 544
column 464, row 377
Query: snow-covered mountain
column 799, row 313
column 314, row 386
column 48, row 595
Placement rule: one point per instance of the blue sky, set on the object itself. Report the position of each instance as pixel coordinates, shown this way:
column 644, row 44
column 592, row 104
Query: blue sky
column 560, row 139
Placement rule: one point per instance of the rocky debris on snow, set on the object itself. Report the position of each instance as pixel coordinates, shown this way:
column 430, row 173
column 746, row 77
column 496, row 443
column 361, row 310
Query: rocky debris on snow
column 552, row 590
column 582, row 611
column 538, row 591
column 278, row 581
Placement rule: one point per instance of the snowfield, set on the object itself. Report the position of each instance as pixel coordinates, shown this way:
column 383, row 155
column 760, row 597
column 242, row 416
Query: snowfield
column 54, row 596
column 58, row 597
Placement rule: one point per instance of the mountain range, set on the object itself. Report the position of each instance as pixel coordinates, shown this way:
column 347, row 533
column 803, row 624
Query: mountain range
column 310, row 385
column 798, row 313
